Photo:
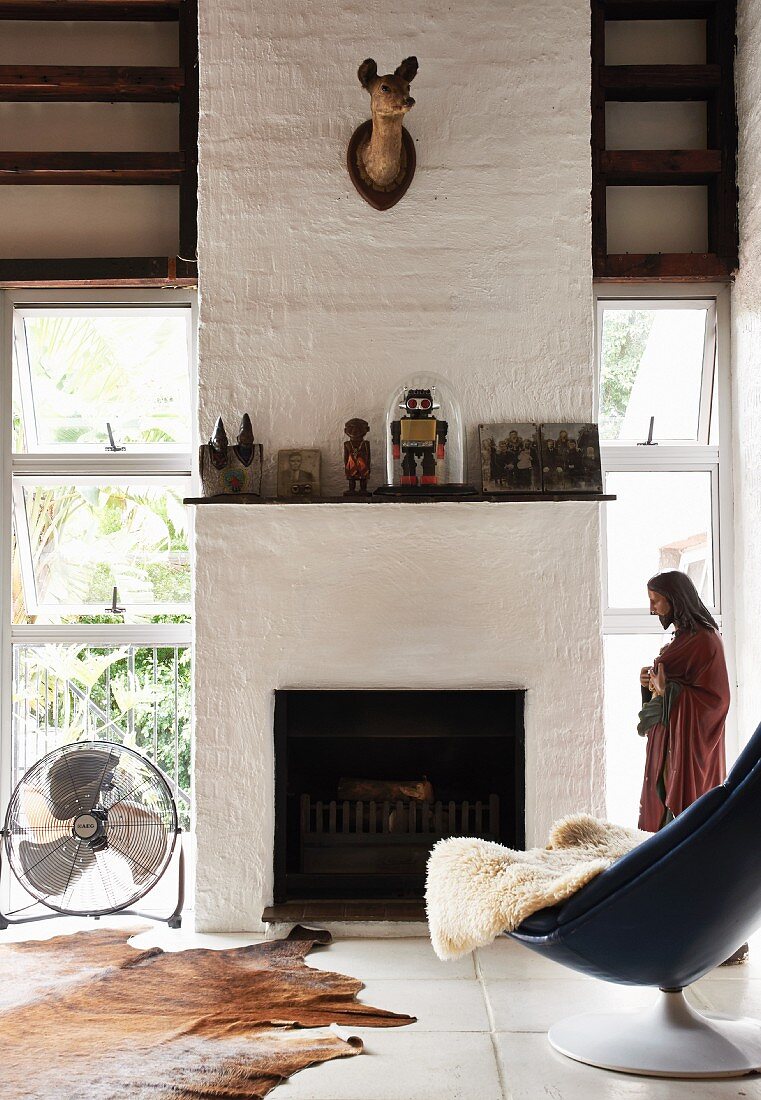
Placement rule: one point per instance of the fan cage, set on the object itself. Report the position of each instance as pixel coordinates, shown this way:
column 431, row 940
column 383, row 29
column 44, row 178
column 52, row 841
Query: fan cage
column 134, row 838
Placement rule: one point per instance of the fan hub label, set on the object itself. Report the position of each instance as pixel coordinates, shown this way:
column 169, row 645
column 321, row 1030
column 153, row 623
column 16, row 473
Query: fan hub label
column 85, row 826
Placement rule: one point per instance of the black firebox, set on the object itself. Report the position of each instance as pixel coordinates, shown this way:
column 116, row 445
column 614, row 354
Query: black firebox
column 366, row 782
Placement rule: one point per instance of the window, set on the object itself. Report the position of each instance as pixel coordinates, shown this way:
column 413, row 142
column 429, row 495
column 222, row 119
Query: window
column 97, row 459
column 664, row 433
column 77, row 370
column 657, row 360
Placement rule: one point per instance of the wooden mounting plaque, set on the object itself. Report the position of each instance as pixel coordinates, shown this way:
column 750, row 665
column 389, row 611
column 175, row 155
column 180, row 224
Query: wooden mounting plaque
column 380, row 200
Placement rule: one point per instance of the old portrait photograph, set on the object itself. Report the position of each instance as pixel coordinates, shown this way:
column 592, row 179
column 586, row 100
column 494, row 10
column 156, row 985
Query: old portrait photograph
column 510, row 458
column 298, row 474
column 570, row 458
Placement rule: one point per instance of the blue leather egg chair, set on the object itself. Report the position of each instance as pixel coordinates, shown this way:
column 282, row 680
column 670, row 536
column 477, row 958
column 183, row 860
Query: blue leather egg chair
column 664, row 915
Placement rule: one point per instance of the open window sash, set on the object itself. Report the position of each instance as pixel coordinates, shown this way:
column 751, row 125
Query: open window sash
column 80, row 368
column 77, row 539
column 675, row 373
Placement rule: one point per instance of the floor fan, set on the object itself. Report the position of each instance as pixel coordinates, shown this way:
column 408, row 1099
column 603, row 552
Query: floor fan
column 89, row 830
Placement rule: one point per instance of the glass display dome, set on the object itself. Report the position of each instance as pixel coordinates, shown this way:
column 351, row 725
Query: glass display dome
column 425, row 439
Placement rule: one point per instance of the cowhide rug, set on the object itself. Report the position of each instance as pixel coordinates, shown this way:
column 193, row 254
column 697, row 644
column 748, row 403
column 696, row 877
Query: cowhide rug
column 89, row 1016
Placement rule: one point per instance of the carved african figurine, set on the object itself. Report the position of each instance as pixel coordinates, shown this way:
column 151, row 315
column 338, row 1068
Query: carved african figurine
column 226, row 470
column 381, row 157
column 356, row 456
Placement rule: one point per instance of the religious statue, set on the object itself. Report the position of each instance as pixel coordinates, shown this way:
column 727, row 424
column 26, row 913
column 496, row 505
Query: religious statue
column 231, row 471
column 685, row 699
column 356, row 456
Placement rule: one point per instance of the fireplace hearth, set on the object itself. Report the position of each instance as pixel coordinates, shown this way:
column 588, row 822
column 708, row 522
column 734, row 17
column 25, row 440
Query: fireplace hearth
column 366, row 782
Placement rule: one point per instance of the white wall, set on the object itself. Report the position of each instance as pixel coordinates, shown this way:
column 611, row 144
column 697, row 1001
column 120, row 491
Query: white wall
column 313, row 305
column 746, row 352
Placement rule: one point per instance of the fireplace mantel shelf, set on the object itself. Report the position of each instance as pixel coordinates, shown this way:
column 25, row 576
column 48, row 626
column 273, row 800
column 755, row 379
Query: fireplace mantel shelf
column 474, row 498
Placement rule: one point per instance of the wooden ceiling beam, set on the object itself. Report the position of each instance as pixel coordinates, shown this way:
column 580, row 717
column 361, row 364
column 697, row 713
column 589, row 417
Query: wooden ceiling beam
column 89, row 84
column 148, row 11
column 655, row 166
column 98, row 271
column 642, row 83
column 666, row 267
column 75, row 169
column 658, row 9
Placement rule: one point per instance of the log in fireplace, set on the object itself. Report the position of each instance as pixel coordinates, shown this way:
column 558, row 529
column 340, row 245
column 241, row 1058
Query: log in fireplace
column 367, row 781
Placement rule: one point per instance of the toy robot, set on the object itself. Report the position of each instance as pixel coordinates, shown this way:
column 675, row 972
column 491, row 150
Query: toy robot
column 418, row 434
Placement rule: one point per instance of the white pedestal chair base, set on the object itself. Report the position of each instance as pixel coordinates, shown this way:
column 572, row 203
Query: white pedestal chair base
column 670, row 1039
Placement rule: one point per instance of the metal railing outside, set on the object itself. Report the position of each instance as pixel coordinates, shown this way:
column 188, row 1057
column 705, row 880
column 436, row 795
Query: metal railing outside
column 136, row 695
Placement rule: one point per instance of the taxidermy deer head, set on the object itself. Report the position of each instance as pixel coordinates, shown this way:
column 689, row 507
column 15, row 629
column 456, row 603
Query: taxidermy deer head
column 381, row 152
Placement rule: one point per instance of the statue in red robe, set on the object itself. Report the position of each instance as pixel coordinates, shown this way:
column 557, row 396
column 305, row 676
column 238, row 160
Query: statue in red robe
column 685, row 704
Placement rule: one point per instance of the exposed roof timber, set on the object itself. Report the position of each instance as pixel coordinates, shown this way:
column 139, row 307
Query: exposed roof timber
column 74, row 168
column 99, row 272
column 89, row 84
column 658, row 9
column 654, row 166
column 658, row 82
column 663, row 267
column 148, row 11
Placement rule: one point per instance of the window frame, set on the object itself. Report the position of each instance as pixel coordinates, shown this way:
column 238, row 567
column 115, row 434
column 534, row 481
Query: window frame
column 679, row 456
column 611, row 301
column 26, row 386
column 62, row 466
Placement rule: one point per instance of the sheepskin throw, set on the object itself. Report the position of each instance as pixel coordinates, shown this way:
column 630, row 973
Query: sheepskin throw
column 477, row 889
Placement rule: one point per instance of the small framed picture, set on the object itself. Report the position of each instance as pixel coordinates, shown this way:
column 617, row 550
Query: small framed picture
column 298, row 474
column 570, row 458
column 510, row 458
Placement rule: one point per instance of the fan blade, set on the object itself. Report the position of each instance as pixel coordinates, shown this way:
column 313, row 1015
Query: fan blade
column 35, row 813
column 139, row 834
column 75, row 780
column 52, row 867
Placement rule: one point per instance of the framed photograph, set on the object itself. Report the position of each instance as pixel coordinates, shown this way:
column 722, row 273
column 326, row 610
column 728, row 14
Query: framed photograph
column 298, row 474
column 510, row 458
column 570, row 458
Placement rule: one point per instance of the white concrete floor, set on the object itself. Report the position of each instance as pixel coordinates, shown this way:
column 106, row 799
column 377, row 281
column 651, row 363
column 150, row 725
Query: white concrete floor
column 481, row 1026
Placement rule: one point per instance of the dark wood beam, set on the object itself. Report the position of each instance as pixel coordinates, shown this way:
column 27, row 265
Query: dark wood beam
column 148, row 11
column 723, row 229
column 641, row 83
column 673, row 267
column 98, row 272
column 654, row 166
column 599, row 196
column 90, row 84
column 188, row 130
column 658, row 9
column 90, row 168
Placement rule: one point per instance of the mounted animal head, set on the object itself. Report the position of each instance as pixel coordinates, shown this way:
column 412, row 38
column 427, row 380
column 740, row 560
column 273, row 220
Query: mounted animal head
column 381, row 155
column 390, row 94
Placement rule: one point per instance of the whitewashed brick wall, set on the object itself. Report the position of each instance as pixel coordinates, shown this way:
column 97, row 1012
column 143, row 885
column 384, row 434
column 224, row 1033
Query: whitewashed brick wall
column 746, row 371
column 313, row 305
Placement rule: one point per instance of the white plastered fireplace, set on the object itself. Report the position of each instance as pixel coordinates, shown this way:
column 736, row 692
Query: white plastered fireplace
column 313, row 307
column 319, row 595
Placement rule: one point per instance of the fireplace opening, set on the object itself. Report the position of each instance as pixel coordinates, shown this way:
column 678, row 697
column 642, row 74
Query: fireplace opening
column 366, row 782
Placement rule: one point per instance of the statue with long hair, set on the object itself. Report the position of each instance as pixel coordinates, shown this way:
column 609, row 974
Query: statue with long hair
column 685, row 697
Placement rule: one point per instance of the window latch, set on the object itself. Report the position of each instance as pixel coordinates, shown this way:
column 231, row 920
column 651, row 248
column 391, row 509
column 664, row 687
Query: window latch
column 113, row 609
column 112, row 443
column 649, row 441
